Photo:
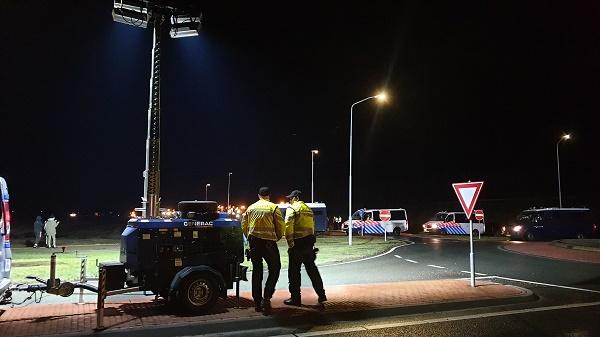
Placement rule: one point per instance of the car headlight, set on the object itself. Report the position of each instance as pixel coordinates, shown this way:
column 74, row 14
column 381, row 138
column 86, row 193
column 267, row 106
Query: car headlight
column 434, row 226
column 517, row 228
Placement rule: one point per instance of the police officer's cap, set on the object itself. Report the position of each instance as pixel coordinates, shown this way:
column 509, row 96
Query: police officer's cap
column 264, row 191
column 295, row 193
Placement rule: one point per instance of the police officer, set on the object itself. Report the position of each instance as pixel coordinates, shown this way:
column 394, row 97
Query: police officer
column 263, row 225
column 300, row 235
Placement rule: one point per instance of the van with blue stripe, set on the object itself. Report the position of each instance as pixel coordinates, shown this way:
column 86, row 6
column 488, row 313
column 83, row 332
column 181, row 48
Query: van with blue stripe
column 453, row 223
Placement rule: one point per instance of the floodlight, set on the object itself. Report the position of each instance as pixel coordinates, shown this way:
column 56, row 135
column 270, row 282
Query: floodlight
column 184, row 26
column 129, row 17
column 140, row 6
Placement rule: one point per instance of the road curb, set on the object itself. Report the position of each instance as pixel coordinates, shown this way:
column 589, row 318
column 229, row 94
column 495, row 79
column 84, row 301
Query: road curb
column 576, row 247
column 305, row 320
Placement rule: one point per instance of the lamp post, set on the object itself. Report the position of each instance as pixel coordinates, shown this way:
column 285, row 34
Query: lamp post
column 381, row 97
column 564, row 137
column 228, row 185
column 206, row 191
column 312, row 174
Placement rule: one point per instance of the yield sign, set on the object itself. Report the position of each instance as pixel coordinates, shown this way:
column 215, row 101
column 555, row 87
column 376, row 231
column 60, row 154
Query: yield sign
column 467, row 194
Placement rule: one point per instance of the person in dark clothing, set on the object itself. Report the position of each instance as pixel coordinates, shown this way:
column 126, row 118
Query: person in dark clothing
column 38, row 226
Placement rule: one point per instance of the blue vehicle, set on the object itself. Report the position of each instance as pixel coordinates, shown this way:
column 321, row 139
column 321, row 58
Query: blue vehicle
column 5, row 253
column 553, row 223
column 319, row 212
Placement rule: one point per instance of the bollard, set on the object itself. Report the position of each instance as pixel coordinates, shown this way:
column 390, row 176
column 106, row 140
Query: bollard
column 237, row 285
column 101, row 297
column 52, row 281
column 82, row 278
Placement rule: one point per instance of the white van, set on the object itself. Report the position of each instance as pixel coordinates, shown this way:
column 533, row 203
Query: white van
column 5, row 254
column 375, row 221
column 452, row 223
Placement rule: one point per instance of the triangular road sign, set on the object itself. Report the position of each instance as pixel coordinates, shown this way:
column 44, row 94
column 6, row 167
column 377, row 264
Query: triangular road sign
column 467, row 194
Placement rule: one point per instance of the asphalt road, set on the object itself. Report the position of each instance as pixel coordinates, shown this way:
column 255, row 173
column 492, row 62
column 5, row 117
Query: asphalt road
column 568, row 304
column 420, row 258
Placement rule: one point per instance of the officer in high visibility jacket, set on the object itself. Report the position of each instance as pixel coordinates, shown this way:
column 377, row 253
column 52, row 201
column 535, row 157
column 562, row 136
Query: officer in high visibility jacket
column 263, row 225
column 300, row 235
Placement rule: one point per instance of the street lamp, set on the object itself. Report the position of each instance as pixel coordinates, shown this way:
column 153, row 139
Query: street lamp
column 228, row 185
column 206, row 192
column 312, row 174
column 564, row 137
column 381, row 97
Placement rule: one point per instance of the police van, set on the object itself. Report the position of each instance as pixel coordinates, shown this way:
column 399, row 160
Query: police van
column 375, row 221
column 319, row 213
column 455, row 223
column 5, row 254
column 553, row 223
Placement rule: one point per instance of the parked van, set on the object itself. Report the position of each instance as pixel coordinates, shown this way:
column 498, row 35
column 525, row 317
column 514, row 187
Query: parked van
column 452, row 223
column 553, row 223
column 319, row 212
column 5, row 253
column 375, row 221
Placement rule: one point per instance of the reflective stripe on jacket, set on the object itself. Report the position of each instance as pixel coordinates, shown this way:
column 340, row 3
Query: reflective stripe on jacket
column 299, row 222
column 263, row 220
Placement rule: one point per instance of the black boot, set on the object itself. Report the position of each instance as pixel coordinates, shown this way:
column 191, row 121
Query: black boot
column 293, row 301
column 266, row 306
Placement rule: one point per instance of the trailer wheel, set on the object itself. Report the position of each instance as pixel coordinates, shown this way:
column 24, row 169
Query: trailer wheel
column 396, row 231
column 475, row 232
column 198, row 293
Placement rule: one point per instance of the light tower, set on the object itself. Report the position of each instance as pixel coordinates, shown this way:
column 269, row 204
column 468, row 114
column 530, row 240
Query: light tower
column 183, row 18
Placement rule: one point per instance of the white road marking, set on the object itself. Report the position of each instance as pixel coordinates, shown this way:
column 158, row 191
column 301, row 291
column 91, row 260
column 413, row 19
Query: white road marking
column 434, row 266
column 476, row 273
column 369, row 258
column 330, row 332
column 411, row 261
column 547, row 284
column 398, row 256
column 447, row 319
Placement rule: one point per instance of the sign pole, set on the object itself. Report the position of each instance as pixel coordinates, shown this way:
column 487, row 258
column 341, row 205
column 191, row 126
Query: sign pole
column 471, row 257
column 467, row 194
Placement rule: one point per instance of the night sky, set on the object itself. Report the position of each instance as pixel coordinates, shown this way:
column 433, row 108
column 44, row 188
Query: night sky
column 478, row 91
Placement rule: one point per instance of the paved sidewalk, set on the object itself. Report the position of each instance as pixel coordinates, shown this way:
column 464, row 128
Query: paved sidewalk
column 74, row 319
column 553, row 251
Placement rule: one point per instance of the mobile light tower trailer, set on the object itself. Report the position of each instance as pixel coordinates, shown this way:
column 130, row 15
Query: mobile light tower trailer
column 193, row 258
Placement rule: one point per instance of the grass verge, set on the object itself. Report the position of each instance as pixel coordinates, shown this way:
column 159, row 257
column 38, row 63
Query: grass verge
column 29, row 261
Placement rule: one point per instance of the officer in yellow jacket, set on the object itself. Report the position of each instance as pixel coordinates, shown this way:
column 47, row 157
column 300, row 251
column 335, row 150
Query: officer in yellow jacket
column 263, row 225
column 300, row 235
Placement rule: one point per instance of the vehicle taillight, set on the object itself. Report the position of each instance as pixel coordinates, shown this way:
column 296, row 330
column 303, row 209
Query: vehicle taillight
column 6, row 229
column 594, row 227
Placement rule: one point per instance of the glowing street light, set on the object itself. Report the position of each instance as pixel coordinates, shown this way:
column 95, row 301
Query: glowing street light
column 381, row 97
column 312, row 174
column 206, row 192
column 228, row 185
column 564, row 137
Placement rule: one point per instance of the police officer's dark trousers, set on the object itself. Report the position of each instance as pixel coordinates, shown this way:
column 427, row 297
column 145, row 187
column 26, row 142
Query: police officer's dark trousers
column 264, row 249
column 302, row 252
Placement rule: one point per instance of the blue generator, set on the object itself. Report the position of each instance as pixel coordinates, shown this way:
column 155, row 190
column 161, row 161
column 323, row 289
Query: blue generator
column 191, row 259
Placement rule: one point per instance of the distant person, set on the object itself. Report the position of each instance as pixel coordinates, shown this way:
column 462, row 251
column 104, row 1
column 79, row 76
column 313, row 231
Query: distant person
column 263, row 225
column 300, row 235
column 50, row 228
column 38, row 227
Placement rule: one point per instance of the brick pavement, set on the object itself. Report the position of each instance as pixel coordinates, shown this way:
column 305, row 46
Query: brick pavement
column 57, row 319
column 549, row 250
